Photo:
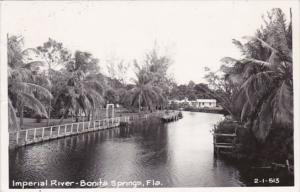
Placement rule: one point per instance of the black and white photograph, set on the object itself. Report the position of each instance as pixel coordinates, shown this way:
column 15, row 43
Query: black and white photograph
column 149, row 94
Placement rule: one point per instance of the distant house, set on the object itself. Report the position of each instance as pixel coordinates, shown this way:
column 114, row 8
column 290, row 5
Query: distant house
column 202, row 103
column 198, row 103
column 183, row 101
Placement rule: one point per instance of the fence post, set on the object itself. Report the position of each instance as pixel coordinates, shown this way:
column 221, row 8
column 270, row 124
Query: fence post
column 58, row 130
column 26, row 134
column 43, row 132
column 34, row 134
column 65, row 129
column 17, row 137
column 77, row 127
column 94, row 125
column 51, row 131
column 83, row 126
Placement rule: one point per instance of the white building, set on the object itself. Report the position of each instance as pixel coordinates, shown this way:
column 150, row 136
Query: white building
column 180, row 101
column 201, row 103
column 198, row 103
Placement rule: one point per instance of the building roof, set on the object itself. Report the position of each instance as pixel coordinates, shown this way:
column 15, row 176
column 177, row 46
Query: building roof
column 207, row 100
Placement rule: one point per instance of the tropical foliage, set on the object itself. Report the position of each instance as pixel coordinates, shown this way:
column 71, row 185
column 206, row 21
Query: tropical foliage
column 50, row 82
column 145, row 92
column 257, row 89
column 23, row 91
column 264, row 77
column 82, row 90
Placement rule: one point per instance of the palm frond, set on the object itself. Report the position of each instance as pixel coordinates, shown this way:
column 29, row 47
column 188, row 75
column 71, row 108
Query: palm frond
column 30, row 87
column 283, row 105
column 264, row 44
column 229, row 60
column 12, row 117
column 263, row 123
column 31, row 102
column 264, row 63
column 246, row 110
column 33, row 64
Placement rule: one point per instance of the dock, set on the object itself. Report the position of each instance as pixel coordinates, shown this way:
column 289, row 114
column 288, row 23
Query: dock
column 224, row 147
column 171, row 116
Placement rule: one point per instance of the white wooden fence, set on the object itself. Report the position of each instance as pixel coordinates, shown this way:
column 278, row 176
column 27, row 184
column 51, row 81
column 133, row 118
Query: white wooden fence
column 35, row 135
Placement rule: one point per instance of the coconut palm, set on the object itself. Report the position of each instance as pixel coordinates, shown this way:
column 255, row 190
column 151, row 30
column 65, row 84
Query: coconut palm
column 83, row 90
column 264, row 78
column 23, row 92
column 145, row 93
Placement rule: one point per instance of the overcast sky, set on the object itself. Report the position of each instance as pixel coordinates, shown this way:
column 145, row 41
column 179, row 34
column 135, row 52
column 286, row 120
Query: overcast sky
column 195, row 34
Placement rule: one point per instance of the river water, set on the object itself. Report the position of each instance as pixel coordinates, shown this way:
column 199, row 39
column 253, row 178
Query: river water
column 176, row 154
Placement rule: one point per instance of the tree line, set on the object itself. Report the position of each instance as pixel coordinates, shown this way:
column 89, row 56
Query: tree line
column 49, row 81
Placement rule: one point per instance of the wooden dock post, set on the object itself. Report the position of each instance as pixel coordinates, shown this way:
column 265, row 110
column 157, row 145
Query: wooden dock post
column 288, row 166
column 219, row 146
column 58, row 130
column 26, row 135
column 17, row 137
column 43, row 132
column 34, row 134
column 51, row 131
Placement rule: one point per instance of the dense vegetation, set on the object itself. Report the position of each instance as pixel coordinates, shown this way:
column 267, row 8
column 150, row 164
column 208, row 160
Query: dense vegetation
column 257, row 91
column 50, row 81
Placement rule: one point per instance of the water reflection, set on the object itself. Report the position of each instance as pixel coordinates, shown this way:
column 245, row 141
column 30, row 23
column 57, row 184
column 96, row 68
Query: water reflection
column 178, row 154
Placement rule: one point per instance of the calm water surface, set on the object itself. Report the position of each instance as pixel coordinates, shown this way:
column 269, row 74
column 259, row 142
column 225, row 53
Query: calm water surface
column 178, row 154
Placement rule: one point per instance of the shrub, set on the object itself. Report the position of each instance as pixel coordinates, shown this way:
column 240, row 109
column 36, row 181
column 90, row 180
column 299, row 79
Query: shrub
column 277, row 148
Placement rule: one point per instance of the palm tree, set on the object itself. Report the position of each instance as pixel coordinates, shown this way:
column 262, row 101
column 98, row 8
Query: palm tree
column 264, row 78
column 145, row 93
column 22, row 89
column 83, row 90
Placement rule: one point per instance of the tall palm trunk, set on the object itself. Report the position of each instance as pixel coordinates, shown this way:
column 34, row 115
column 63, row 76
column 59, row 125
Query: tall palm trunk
column 140, row 98
column 49, row 113
column 77, row 116
column 89, row 115
column 21, row 115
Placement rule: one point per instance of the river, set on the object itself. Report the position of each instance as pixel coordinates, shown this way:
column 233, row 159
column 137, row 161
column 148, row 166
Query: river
column 176, row 154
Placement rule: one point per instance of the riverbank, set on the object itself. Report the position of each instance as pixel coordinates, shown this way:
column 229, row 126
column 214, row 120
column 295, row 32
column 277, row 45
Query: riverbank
column 29, row 123
column 216, row 111
column 275, row 155
column 204, row 110
column 40, row 134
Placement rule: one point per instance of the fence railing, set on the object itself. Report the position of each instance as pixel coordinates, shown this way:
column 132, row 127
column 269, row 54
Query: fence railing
column 35, row 135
